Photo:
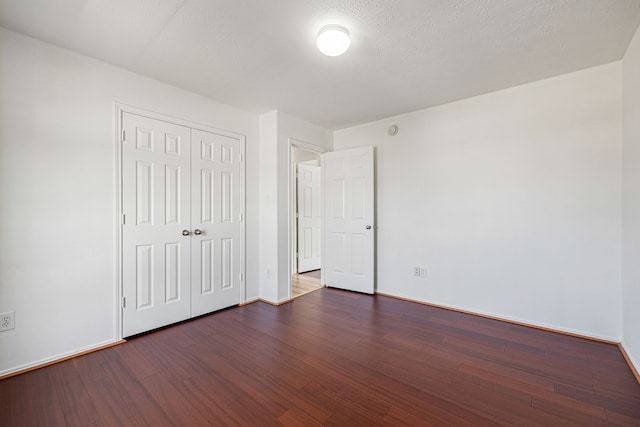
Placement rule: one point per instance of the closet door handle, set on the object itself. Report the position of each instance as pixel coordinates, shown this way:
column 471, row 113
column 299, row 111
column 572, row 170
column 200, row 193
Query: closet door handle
column 185, row 232
column 197, row 232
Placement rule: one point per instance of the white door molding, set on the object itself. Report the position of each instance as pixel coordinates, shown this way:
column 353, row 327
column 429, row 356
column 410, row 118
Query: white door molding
column 298, row 143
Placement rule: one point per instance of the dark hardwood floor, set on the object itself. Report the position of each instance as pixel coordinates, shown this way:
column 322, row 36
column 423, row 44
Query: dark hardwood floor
column 333, row 358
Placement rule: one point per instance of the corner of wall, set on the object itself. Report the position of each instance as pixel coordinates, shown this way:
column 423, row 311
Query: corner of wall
column 268, row 207
column 631, row 361
column 276, row 130
column 631, row 201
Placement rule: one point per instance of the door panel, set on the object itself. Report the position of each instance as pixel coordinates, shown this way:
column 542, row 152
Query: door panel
column 349, row 219
column 175, row 178
column 215, row 261
column 172, row 278
column 156, row 257
column 309, row 217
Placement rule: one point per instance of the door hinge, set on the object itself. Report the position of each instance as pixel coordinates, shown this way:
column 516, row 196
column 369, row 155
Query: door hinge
column 124, row 135
column 124, row 302
column 124, row 219
column 241, row 157
column 241, row 217
column 241, row 276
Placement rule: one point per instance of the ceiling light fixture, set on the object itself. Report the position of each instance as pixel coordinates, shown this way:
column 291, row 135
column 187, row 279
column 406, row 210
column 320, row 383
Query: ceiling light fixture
column 333, row 40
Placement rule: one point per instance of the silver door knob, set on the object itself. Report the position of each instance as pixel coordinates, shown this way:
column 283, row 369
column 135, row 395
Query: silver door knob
column 185, row 232
column 368, row 227
column 197, row 232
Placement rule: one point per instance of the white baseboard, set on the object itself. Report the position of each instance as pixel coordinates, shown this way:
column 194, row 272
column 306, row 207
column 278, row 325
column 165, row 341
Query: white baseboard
column 524, row 322
column 249, row 301
column 631, row 360
column 276, row 303
column 57, row 358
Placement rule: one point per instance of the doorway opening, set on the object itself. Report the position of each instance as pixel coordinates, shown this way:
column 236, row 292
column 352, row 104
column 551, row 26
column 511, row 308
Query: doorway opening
column 306, row 219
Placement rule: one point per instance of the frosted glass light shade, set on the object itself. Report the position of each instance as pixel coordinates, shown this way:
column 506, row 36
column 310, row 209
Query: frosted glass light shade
column 333, row 40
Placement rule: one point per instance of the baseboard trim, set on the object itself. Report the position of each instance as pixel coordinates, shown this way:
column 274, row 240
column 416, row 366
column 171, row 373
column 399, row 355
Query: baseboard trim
column 504, row 319
column 58, row 360
column 276, row 304
column 307, row 292
column 251, row 301
column 627, row 358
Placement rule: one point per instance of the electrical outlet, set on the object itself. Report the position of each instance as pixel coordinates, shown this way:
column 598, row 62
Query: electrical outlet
column 416, row 271
column 423, row 272
column 7, row 321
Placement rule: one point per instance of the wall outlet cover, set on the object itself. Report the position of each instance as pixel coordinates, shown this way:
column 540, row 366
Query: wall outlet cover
column 7, row 321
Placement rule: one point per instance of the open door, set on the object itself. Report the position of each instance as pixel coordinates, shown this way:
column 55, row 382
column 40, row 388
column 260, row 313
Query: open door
column 309, row 217
column 349, row 219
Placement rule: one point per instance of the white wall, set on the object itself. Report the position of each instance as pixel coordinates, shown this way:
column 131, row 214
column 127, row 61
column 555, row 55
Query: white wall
column 277, row 130
column 57, row 192
column 268, row 206
column 631, row 200
column 511, row 201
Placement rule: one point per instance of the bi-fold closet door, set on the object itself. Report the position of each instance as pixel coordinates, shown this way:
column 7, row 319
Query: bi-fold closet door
column 182, row 222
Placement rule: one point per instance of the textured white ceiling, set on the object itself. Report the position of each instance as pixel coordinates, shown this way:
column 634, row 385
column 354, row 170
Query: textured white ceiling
column 260, row 55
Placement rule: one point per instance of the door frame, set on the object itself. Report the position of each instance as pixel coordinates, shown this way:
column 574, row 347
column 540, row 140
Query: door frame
column 298, row 143
column 118, row 110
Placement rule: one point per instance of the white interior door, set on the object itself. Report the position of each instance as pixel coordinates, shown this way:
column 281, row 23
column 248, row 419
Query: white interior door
column 215, row 218
column 349, row 219
column 309, row 217
column 182, row 223
column 155, row 201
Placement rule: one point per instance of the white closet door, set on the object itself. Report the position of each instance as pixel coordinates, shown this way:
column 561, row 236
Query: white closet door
column 349, row 219
column 156, row 206
column 309, row 217
column 215, row 219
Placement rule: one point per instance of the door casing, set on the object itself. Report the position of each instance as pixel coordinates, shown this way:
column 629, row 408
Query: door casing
column 293, row 142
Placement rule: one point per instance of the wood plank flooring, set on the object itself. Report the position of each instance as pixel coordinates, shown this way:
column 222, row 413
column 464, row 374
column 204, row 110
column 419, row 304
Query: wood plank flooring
column 333, row 358
column 304, row 283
